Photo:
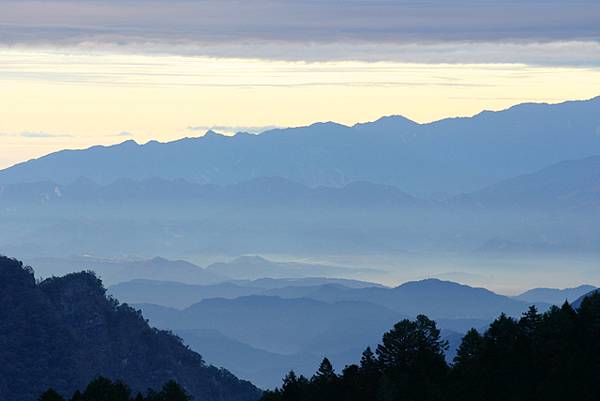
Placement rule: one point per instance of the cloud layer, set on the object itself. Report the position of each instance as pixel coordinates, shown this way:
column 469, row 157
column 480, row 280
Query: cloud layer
column 309, row 30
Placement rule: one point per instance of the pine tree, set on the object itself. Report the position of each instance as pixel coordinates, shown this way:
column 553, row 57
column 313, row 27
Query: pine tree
column 530, row 322
column 325, row 373
column 469, row 350
column 411, row 356
column 368, row 361
column 293, row 387
column 51, row 395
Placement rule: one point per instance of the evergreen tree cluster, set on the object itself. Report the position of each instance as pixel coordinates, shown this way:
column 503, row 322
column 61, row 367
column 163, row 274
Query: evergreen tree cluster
column 103, row 389
column 554, row 356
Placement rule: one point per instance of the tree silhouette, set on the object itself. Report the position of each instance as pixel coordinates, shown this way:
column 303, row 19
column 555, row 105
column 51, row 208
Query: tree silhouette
column 51, row 395
column 539, row 357
column 325, row 373
column 172, row 391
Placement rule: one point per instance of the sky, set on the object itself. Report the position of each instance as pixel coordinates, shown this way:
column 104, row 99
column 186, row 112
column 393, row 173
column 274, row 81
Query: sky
column 75, row 73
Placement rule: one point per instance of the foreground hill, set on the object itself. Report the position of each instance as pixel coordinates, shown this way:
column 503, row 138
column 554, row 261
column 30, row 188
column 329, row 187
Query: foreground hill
column 451, row 155
column 63, row 332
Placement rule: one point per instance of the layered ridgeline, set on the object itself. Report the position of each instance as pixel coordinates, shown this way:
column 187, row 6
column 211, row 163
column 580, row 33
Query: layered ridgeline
column 63, row 332
column 552, row 210
column 452, row 155
column 263, row 335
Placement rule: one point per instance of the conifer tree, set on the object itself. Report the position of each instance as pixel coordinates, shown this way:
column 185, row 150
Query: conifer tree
column 51, row 395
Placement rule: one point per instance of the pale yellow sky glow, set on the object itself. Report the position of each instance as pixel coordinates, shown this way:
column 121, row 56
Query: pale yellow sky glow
column 58, row 99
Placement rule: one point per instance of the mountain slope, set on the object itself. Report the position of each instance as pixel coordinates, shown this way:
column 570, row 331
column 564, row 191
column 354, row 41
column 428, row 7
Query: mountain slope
column 256, row 267
column 174, row 294
column 115, row 270
column 554, row 295
column 433, row 297
column 156, row 193
column 275, row 324
column 180, row 295
column 64, row 332
column 577, row 303
column 571, row 185
column 452, row 155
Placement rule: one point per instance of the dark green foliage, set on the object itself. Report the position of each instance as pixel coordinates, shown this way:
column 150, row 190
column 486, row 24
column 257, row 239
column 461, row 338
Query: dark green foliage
column 103, row 389
column 171, row 391
column 51, row 395
column 64, row 332
column 553, row 356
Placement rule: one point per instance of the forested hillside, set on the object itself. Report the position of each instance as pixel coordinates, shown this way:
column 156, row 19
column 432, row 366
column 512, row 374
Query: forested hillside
column 550, row 356
column 63, row 332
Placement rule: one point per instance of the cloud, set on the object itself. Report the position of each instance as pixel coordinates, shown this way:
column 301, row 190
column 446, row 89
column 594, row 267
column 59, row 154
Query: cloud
column 38, row 134
column 305, row 30
column 35, row 135
column 232, row 129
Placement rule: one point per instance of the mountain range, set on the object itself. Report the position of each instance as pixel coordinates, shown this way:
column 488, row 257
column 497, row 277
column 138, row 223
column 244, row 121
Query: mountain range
column 566, row 185
column 244, row 271
column 452, row 155
column 116, row 270
column 181, row 295
column 262, row 336
column 549, row 211
column 572, row 185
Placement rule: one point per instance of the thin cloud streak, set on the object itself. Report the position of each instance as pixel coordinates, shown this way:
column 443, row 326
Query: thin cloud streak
column 35, row 135
column 232, row 129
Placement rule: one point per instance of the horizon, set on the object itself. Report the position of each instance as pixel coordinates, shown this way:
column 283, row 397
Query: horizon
column 230, row 131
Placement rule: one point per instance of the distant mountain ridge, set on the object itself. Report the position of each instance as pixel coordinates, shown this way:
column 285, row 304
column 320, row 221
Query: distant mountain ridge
column 253, row 272
column 452, row 155
column 434, row 297
column 116, row 270
column 567, row 185
column 554, row 295
column 258, row 192
column 181, row 295
column 256, row 267
column 298, row 324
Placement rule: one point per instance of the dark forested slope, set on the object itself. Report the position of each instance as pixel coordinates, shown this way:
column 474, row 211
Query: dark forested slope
column 63, row 332
column 539, row 357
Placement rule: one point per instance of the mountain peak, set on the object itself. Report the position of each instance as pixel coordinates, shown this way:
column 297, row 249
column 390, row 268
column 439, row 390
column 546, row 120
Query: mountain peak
column 212, row 134
column 395, row 121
